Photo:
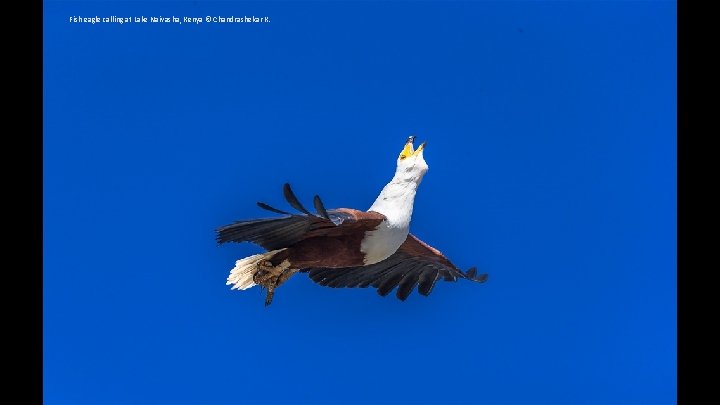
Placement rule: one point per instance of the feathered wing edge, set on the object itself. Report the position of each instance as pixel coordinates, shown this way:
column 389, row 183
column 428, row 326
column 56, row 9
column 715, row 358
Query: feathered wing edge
column 414, row 264
column 277, row 233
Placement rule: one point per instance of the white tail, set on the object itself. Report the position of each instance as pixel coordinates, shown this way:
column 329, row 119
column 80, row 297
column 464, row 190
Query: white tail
column 241, row 276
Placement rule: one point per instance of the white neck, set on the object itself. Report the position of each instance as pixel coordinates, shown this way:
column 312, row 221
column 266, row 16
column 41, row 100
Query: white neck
column 396, row 201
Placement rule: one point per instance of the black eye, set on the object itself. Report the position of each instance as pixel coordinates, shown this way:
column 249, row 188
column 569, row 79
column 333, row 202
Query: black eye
column 402, row 157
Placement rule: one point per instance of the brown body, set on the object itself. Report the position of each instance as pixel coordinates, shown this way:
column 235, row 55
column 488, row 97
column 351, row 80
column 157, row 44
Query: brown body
column 334, row 247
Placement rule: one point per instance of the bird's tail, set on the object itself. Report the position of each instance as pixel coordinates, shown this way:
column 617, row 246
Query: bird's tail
column 241, row 276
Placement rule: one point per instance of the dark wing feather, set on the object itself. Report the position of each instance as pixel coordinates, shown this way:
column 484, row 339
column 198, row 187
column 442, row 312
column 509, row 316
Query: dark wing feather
column 272, row 209
column 293, row 200
column 426, row 281
column 277, row 233
column 320, row 207
column 414, row 264
column 408, row 283
column 271, row 233
column 389, row 282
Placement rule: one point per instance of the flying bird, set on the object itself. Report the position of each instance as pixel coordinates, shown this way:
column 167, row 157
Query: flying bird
column 345, row 247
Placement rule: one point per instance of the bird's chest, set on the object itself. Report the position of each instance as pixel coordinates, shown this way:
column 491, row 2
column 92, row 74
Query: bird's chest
column 381, row 243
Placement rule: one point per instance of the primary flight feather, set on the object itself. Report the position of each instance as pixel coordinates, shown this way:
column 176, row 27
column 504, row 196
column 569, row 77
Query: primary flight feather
column 346, row 247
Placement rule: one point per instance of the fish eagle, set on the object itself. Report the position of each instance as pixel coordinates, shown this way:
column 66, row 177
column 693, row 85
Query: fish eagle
column 345, row 247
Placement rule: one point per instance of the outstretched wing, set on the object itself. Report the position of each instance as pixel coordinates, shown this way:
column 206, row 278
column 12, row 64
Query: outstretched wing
column 414, row 263
column 277, row 233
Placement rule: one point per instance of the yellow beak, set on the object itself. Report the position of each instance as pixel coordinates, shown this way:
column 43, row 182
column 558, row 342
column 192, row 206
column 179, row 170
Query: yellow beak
column 408, row 149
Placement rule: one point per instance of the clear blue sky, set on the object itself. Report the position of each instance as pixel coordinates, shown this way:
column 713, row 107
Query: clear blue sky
column 551, row 143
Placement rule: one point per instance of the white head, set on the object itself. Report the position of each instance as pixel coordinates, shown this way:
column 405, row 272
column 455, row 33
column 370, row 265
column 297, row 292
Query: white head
column 396, row 199
column 411, row 166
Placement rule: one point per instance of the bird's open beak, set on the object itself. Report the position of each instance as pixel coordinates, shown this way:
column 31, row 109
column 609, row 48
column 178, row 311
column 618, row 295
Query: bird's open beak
column 408, row 150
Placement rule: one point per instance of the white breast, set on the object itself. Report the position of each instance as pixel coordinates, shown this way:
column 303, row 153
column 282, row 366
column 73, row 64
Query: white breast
column 381, row 243
column 396, row 203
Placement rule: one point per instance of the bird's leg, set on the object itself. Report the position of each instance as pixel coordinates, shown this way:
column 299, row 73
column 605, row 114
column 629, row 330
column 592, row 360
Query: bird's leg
column 266, row 271
column 269, row 296
column 270, row 277
column 274, row 282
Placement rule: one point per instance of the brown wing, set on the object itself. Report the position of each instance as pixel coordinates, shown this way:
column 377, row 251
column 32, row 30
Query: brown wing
column 277, row 233
column 414, row 263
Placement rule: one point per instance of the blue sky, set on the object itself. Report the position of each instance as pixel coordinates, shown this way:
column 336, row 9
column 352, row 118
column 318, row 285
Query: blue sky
column 551, row 132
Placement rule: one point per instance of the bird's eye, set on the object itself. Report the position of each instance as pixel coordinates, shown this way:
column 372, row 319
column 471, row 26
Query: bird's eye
column 402, row 157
